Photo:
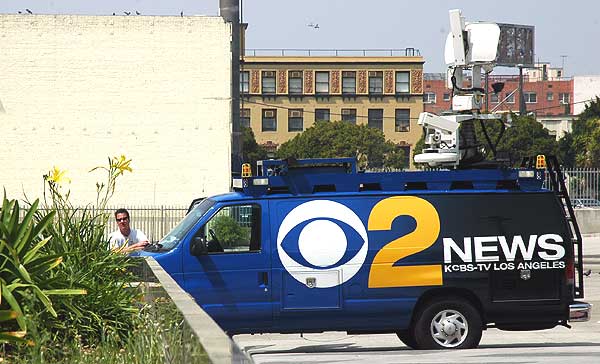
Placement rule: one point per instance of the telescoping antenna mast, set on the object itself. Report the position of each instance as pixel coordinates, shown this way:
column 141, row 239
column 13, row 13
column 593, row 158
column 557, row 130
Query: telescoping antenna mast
column 450, row 139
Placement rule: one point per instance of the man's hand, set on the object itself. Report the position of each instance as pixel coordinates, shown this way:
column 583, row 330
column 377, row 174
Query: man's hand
column 137, row 246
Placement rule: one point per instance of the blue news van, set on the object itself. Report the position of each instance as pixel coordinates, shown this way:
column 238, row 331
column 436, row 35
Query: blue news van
column 434, row 256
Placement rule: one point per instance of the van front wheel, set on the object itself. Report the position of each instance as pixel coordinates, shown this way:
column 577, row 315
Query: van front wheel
column 448, row 323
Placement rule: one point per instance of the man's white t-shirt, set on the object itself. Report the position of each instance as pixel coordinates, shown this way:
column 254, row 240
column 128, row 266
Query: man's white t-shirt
column 117, row 240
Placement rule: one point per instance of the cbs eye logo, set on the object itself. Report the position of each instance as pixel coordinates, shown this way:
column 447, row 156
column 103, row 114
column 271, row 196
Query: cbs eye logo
column 322, row 242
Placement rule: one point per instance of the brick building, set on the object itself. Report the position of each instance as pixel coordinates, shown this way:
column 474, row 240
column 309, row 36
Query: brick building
column 547, row 98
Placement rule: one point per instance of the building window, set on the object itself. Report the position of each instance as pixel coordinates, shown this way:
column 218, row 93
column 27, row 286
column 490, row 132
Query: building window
column 375, row 82
column 245, row 82
column 549, row 96
column 295, row 120
column 295, row 83
column 564, row 98
column 349, row 82
column 349, row 115
column 494, row 98
column 530, row 97
column 376, row 119
column 245, row 117
column 429, row 98
column 402, row 120
column 510, row 99
column 402, row 82
column 322, row 82
column 268, row 82
column 269, row 120
column 321, row 114
column 446, row 96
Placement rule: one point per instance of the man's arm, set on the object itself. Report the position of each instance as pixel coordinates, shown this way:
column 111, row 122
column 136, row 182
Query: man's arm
column 142, row 241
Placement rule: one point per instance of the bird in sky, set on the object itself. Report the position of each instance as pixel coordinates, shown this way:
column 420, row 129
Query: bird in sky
column 29, row 11
column 137, row 13
column 127, row 12
column 181, row 14
column 587, row 272
column 313, row 25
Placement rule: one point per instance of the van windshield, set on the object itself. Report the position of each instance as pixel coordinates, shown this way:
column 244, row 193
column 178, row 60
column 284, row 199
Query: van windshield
column 173, row 238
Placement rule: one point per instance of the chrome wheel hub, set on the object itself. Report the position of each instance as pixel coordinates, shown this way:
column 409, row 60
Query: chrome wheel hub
column 449, row 328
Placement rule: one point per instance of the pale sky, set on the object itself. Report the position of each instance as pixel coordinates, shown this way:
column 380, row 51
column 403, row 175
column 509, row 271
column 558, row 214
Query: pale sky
column 562, row 28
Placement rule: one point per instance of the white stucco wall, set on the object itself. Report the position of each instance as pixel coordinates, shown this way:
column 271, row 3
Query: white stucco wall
column 557, row 125
column 77, row 89
column 584, row 88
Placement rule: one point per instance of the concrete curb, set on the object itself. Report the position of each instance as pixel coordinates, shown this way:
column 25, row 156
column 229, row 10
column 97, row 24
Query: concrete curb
column 590, row 235
column 218, row 346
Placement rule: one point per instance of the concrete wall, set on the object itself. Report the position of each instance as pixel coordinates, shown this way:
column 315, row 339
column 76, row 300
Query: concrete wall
column 588, row 220
column 557, row 125
column 584, row 88
column 77, row 89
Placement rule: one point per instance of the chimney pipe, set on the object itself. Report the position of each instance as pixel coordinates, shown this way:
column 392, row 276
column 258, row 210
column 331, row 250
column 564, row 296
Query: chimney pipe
column 230, row 11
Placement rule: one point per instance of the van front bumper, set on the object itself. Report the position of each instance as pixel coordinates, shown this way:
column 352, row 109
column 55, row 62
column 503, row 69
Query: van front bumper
column 580, row 312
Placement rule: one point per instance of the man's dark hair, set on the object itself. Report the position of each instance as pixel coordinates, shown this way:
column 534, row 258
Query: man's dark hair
column 122, row 211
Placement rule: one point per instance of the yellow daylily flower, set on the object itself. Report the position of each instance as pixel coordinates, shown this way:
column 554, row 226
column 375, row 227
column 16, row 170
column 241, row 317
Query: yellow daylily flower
column 57, row 176
column 121, row 163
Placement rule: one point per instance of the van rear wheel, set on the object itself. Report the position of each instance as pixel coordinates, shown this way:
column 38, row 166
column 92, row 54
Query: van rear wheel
column 448, row 323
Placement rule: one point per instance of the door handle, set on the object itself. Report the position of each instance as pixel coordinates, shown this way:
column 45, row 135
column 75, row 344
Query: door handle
column 263, row 278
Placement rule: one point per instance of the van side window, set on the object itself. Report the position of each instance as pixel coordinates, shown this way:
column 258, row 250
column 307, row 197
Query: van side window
column 233, row 229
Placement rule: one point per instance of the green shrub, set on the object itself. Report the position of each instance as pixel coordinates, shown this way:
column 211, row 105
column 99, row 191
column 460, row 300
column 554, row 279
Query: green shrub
column 26, row 268
column 229, row 232
column 108, row 310
column 159, row 336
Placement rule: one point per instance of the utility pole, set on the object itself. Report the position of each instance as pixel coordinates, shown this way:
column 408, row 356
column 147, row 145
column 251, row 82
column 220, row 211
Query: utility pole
column 230, row 11
column 487, row 91
column 522, row 108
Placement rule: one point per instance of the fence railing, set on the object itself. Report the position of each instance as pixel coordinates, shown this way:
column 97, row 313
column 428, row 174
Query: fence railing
column 154, row 221
column 581, row 182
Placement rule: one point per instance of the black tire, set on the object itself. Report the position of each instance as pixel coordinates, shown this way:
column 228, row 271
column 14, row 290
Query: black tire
column 457, row 325
column 407, row 338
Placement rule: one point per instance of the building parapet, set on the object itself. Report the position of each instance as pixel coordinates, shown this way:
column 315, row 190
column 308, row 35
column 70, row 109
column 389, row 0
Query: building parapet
column 434, row 76
column 403, row 52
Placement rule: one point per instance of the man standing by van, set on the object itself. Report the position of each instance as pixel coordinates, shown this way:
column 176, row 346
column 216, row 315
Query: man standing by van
column 125, row 239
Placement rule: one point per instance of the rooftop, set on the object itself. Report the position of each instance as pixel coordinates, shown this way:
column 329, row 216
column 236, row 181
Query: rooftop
column 403, row 52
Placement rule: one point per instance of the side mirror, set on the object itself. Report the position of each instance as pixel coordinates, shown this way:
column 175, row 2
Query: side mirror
column 199, row 246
